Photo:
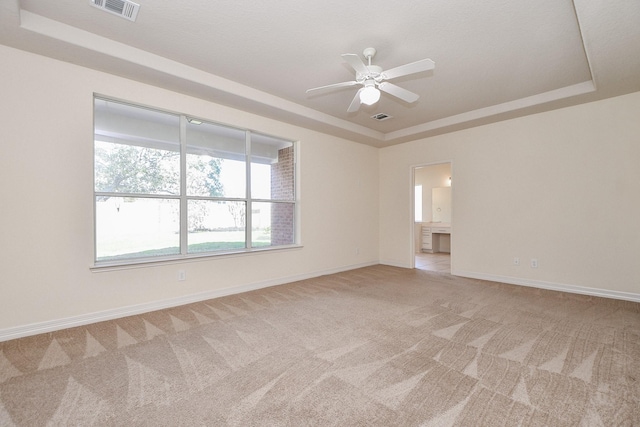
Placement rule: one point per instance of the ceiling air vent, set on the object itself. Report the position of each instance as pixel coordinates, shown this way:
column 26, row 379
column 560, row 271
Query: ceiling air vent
column 381, row 116
column 123, row 8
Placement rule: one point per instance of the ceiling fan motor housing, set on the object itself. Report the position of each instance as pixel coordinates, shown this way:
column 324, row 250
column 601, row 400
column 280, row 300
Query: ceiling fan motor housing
column 374, row 73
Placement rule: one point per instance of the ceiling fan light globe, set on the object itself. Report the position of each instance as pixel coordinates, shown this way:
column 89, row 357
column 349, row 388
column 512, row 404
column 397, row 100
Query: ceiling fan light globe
column 369, row 95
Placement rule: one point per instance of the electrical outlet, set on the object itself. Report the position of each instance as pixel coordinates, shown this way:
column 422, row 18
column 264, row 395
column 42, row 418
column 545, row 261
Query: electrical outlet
column 534, row 263
column 182, row 275
column 516, row 261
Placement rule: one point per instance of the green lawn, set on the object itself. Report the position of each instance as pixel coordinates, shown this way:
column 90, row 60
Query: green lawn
column 194, row 248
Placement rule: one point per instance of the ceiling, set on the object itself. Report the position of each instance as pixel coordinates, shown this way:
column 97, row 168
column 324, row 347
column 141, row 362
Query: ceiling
column 495, row 59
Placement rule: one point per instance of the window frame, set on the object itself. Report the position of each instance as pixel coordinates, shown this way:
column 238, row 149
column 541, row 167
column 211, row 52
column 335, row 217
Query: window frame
column 418, row 214
column 183, row 197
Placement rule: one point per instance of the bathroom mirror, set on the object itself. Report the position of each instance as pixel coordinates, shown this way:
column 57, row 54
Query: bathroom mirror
column 441, row 204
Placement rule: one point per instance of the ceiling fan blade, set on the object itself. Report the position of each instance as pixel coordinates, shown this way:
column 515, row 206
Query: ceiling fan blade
column 355, row 104
column 333, row 86
column 404, row 70
column 398, row 92
column 355, row 61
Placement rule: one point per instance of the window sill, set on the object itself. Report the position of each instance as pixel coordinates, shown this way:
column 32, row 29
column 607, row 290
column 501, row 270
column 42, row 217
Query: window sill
column 100, row 267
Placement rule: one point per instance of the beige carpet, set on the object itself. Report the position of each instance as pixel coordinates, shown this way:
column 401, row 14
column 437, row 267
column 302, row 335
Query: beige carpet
column 378, row 346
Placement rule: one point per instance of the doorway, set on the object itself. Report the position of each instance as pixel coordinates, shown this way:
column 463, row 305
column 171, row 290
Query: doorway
column 439, row 262
column 432, row 217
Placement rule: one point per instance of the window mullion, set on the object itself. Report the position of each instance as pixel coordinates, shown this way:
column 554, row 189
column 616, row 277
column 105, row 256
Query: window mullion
column 247, row 214
column 184, row 223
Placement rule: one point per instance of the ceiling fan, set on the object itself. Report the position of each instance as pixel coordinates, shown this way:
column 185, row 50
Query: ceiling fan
column 373, row 79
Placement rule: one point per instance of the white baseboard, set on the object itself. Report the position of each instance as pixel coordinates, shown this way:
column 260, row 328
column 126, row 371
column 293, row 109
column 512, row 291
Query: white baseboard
column 574, row 289
column 88, row 318
column 395, row 264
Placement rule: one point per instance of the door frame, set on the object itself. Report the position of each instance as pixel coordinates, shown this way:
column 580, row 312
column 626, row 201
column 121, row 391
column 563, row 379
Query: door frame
column 413, row 208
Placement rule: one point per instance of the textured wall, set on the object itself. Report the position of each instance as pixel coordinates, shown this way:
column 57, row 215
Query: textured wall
column 562, row 187
column 46, row 218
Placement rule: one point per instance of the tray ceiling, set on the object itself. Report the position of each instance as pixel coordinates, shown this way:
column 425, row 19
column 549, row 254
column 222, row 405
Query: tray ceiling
column 494, row 59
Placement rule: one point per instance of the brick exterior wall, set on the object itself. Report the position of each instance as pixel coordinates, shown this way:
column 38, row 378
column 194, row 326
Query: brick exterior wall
column 282, row 188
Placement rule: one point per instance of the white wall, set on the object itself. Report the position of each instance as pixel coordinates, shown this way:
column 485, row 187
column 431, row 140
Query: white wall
column 561, row 186
column 46, row 169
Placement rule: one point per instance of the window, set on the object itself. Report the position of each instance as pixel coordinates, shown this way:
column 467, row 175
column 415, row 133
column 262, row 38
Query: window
column 417, row 203
column 167, row 186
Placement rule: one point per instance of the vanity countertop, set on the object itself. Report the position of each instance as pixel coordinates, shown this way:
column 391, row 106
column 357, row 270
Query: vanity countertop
column 437, row 224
